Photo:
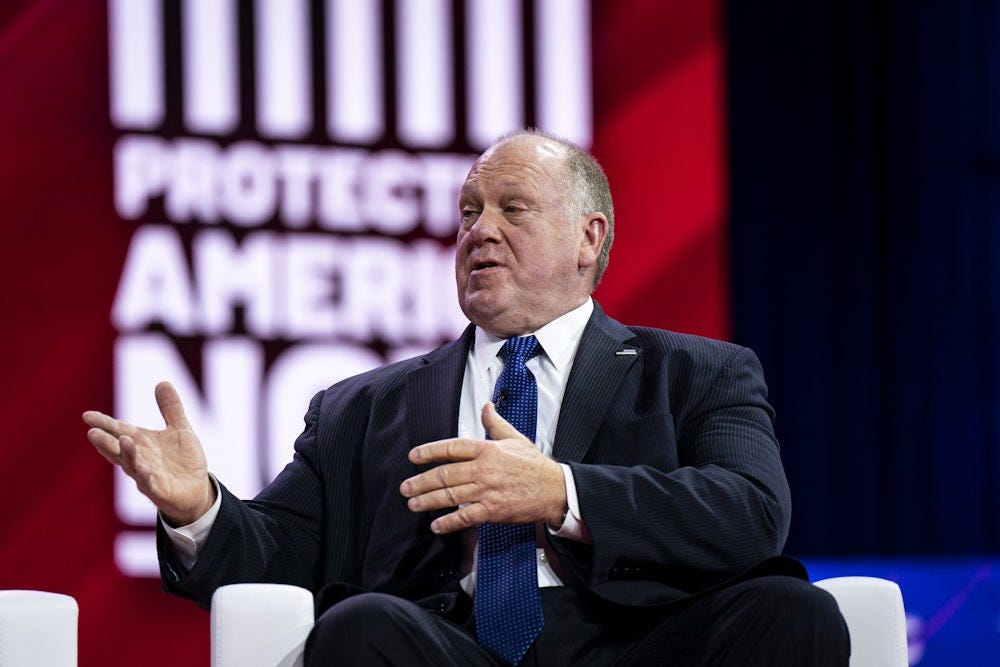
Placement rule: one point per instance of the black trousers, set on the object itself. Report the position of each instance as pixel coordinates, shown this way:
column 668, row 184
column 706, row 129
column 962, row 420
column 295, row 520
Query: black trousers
column 775, row 620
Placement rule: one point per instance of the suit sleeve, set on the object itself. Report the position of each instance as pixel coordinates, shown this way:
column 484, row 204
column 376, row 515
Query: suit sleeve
column 274, row 538
column 724, row 508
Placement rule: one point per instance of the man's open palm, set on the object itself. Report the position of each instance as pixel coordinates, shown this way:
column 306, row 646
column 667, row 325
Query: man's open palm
column 168, row 465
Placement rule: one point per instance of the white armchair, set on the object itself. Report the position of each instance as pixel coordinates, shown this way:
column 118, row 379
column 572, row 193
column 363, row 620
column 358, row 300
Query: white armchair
column 260, row 625
column 37, row 628
column 873, row 609
column 266, row 625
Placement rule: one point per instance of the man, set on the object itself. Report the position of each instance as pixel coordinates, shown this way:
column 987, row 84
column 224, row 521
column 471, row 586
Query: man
column 634, row 515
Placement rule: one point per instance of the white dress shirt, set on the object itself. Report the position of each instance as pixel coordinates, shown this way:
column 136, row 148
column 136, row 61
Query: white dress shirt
column 558, row 340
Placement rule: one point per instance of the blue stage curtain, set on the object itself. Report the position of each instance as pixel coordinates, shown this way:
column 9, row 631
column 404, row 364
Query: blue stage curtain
column 865, row 231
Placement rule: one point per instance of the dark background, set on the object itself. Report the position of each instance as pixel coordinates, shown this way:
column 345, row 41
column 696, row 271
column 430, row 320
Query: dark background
column 864, row 246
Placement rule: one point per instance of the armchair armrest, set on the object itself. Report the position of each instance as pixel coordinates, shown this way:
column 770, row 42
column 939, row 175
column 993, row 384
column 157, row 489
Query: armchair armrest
column 38, row 628
column 876, row 620
column 260, row 625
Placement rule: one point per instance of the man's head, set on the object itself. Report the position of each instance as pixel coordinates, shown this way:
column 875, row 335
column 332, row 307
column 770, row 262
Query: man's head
column 536, row 229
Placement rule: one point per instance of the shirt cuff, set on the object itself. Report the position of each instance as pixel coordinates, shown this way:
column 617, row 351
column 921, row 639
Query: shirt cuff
column 573, row 527
column 188, row 540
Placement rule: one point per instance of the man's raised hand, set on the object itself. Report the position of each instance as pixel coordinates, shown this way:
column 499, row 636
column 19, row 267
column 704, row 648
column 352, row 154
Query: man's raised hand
column 168, row 466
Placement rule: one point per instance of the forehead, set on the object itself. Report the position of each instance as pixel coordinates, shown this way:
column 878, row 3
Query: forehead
column 523, row 162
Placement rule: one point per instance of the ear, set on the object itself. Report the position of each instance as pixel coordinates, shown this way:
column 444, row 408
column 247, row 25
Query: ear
column 595, row 230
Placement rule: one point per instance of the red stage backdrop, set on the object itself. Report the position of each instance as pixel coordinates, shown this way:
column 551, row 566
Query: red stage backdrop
column 255, row 198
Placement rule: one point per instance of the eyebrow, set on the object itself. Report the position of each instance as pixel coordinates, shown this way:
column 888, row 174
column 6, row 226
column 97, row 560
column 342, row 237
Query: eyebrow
column 509, row 188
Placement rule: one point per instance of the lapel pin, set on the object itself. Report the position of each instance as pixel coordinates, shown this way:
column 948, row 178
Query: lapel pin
column 626, row 352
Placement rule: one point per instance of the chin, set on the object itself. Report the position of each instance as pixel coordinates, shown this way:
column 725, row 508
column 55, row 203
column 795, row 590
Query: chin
column 492, row 312
column 483, row 318
column 487, row 317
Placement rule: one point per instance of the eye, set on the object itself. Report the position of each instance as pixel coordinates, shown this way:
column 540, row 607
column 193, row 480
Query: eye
column 469, row 214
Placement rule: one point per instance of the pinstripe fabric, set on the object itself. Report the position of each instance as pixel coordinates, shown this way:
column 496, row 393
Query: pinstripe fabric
column 669, row 437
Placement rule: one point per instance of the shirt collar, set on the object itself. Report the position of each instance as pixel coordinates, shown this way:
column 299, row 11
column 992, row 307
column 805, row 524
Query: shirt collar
column 558, row 339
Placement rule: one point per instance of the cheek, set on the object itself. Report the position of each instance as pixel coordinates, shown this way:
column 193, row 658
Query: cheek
column 555, row 257
column 461, row 251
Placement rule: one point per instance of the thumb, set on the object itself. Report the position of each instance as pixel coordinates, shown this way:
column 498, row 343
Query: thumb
column 170, row 406
column 496, row 426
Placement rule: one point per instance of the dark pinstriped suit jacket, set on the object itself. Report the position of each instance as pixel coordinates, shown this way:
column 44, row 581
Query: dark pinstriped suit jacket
column 672, row 448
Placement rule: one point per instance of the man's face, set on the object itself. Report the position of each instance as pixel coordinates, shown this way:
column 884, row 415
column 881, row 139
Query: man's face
column 522, row 256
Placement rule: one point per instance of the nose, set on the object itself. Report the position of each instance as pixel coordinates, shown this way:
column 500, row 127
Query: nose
column 486, row 228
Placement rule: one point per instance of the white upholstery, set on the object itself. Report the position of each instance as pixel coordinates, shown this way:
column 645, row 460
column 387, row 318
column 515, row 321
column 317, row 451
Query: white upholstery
column 260, row 625
column 873, row 609
column 37, row 628
column 266, row 625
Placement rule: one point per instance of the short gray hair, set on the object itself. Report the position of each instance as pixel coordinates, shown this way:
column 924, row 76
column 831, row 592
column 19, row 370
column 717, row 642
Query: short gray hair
column 587, row 185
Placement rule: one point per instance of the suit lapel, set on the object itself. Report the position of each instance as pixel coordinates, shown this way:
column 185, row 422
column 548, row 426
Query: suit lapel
column 601, row 362
column 433, row 394
column 434, row 391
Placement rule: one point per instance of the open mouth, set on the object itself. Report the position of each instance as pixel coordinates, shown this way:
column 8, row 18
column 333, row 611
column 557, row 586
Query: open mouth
column 479, row 266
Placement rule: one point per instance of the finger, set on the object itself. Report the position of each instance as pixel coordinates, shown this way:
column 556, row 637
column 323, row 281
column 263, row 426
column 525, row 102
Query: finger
column 451, row 496
column 441, row 477
column 145, row 480
column 462, row 518
column 170, row 406
column 107, row 423
column 105, row 443
column 496, row 426
column 127, row 458
column 452, row 449
column 90, row 417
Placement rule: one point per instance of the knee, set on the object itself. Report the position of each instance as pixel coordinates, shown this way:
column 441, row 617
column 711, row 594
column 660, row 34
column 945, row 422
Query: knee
column 351, row 630
column 809, row 612
column 361, row 610
column 789, row 596
column 354, row 616
column 786, row 589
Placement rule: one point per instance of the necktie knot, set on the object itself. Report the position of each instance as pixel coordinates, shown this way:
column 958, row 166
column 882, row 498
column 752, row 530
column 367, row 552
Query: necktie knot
column 519, row 350
column 516, row 392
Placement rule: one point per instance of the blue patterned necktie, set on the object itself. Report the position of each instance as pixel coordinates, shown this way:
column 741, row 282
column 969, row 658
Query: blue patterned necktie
column 508, row 606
